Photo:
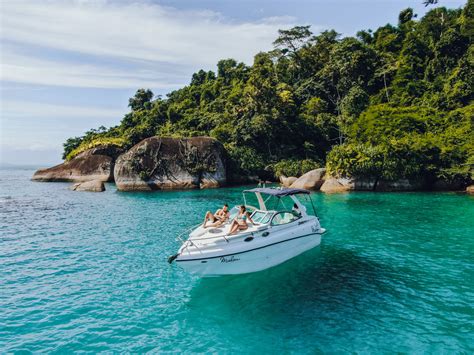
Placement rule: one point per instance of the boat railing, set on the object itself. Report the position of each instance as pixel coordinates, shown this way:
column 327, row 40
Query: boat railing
column 187, row 231
column 227, row 238
column 241, row 233
column 188, row 242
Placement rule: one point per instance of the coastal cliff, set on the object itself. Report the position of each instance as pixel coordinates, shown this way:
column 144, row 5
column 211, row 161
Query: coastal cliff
column 153, row 164
column 320, row 180
column 168, row 163
column 93, row 164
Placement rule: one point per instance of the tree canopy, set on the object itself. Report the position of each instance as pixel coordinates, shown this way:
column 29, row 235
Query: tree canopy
column 393, row 102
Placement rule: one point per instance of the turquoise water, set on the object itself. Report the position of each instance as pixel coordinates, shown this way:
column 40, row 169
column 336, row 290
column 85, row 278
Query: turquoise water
column 88, row 272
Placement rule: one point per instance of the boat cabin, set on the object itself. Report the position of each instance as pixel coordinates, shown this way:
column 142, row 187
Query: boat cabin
column 272, row 211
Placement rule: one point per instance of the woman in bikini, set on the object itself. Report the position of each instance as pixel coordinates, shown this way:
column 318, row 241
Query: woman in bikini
column 240, row 222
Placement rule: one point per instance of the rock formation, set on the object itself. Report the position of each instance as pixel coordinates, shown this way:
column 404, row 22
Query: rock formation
column 312, row 180
column 169, row 163
column 92, row 186
column 332, row 185
column 93, row 164
column 400, row 185
column 287, row 181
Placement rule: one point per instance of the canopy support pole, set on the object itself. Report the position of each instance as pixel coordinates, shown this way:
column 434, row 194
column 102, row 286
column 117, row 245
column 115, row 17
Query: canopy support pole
column 312, row 204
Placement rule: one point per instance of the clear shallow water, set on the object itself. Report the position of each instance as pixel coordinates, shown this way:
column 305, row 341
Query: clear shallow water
column 88, row 271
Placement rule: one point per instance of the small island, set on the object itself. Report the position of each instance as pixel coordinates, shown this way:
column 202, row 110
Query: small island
column 388, row 110
column 314, row 197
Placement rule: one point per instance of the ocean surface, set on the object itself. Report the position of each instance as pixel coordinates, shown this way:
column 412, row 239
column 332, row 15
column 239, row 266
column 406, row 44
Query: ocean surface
column 87, row 272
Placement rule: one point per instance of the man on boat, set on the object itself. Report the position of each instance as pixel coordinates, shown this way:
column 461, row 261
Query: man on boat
column 218, row 218
column 296, row 209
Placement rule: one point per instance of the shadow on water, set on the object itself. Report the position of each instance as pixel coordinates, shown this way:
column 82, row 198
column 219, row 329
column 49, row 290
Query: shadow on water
column 325, row 279
column 321, row 294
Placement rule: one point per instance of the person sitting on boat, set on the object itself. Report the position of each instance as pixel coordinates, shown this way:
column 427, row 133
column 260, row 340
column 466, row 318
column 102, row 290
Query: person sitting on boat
column 218, row 218
column 296, row 210
column 240, row 222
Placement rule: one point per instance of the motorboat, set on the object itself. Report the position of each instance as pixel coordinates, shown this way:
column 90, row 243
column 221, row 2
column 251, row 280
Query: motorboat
column 278, row 234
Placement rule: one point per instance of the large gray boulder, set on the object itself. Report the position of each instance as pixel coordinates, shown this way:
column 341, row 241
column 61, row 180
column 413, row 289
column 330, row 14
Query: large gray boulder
column 400, row 185
column 171, row 163
column 287, row 181
column 91, row 186
column 312, row 180
column 335, row 185
column 93, row 164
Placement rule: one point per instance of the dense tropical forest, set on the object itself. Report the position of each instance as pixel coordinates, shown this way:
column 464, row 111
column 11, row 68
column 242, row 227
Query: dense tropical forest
column 395, row 102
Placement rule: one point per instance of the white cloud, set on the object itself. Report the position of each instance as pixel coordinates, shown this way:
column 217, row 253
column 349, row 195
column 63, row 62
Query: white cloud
column 103, row 45
column 137, row 30
column 166, row 44
column 28, row 70
column 19, row 109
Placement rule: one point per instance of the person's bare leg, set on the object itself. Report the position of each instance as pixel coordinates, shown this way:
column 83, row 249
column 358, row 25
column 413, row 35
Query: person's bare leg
column 234, row 226
column 205, row 219
column 238, row 227
column 242, row 227
column 216, row 224
column 208, row 216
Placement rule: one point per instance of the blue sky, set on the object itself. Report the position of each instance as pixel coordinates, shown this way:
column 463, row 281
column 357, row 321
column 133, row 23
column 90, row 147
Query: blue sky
column 71, row 65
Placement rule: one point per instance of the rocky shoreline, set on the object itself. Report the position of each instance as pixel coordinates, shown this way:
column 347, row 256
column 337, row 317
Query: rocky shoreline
column 168, row 163
column 153, row 164
column 318, row 180
column 93, row 164
column 159, row 163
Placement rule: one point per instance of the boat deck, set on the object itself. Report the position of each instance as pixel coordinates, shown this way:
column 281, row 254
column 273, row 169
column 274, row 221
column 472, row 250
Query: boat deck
column 214, row 234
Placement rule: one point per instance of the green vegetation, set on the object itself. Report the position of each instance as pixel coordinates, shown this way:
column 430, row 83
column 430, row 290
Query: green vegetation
column 392, row 142
column 98, row 141
column 295, row 167
column 396, row 102
column 92, row 138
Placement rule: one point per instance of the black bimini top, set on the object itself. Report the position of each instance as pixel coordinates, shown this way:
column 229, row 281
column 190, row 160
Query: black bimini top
column 278, row 192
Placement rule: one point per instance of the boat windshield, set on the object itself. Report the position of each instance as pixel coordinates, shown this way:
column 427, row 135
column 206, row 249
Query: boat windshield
column 262, row 217
column 234, row 211
column 285, row 217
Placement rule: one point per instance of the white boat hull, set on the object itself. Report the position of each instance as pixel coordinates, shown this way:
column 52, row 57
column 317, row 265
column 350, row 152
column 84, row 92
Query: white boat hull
column 251, row 260
column 271, row 238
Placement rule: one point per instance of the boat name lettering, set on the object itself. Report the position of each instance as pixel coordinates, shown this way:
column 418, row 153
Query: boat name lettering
column 230, row 259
